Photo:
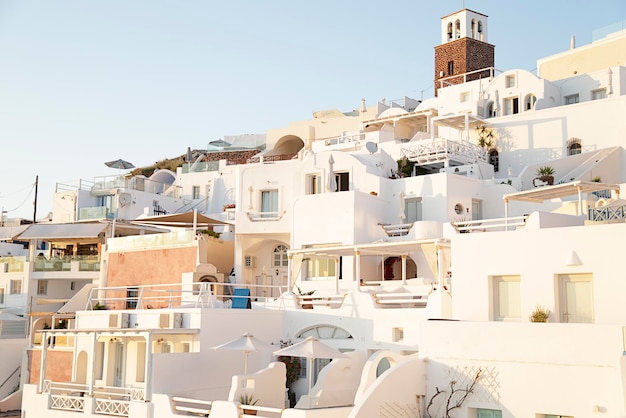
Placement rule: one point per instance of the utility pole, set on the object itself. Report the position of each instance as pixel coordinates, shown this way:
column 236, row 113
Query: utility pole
column 35, row 201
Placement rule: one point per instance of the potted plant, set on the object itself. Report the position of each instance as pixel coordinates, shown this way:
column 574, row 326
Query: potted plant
column 248, row 399
column 540, row 314
column 546, row 174
column 309, row 293
column 292, row 371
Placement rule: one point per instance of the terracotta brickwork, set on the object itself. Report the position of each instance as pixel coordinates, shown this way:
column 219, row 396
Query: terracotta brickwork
column 467, row 55
column 58, row 366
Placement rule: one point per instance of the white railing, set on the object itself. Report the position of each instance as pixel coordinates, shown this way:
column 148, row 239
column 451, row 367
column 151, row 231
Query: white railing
column 199, row 294
column 397, row 230
column 108, row 400
column 608, row 213
column 441, row 149
column 343, row 139
column 488, row 225
column 191, row 406
column 265, row 216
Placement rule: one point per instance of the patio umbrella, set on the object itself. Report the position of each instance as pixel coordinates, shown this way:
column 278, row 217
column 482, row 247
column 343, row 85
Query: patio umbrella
column 246, row 343
column 311, row 348
column 332, row 182
column 120, row 164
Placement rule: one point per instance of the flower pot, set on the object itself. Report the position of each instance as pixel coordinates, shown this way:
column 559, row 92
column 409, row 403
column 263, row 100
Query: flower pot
column 307, row 305
column 249, row 411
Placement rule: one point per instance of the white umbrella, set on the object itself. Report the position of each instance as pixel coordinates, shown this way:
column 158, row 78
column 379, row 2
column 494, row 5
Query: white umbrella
column 246, row 343
column 332, row 182
column 402, row 208
column 311, row 348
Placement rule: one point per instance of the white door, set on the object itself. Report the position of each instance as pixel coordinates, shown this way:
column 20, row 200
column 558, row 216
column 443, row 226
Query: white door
column 576, row 298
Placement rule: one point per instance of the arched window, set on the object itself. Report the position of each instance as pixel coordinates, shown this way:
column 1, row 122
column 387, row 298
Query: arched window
column 574, row 146
column 457, row 29
column 494, row 159
column 280, row 258
column 325, row 332
column 529, row 101
column 489, row 112
column 450, row 31
column 474, row 29
column 480, row 30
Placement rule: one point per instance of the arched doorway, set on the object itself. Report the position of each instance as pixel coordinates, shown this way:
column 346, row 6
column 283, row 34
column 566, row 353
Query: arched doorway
column 81, row 368
column 392, row 268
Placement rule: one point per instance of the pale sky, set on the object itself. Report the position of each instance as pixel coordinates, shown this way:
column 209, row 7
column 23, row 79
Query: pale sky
column 83, row 82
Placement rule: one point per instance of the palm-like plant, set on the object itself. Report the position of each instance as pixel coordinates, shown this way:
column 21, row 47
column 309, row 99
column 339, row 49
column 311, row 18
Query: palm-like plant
column 486, row 137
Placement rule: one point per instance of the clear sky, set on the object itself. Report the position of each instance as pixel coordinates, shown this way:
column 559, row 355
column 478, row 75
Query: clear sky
column 83, row 82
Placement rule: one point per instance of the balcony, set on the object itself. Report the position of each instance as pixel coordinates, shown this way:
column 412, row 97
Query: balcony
column 67, row 263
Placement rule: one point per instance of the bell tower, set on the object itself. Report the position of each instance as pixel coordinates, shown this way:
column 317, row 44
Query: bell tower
column 464, row 49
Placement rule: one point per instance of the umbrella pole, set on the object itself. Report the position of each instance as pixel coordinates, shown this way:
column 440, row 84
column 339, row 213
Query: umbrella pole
column 245, row 363
column 310, row 378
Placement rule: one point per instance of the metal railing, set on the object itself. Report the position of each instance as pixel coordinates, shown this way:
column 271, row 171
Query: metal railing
column 85, row 263
column 489, row 225
column 167, row 296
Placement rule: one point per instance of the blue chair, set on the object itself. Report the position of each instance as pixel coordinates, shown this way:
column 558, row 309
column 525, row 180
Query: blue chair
column 241, row 299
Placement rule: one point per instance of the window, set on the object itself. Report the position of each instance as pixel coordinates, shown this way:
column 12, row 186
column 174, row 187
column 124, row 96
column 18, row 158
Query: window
column 132, row 297
column 474, row 28
column 450, row 67
column 506, row 292
column 572, row 99
column 450, row 31
column 269, row 202
column 343, row 181
column 488, row 413
column 413, row 210
column 320, row 268
column 457, row 29
column 195, row 192
column 494, row 159
column 511, row 106
column 1, row 295
column 42, row 287
column 509, row 81
column 465, row 97
column 397, row 334
column 529, row 102
column 280, row 256
column 314, row 184
column 576, row 298
column 574, row 146
column 598, row 94
column 16, row 287
column 480, row 30
column 325, row 332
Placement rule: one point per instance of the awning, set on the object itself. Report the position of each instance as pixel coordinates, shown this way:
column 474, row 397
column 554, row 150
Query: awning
column 63, row 232
column 8, row 233
column 180, row 220
column 79, row 301
column 541, row 194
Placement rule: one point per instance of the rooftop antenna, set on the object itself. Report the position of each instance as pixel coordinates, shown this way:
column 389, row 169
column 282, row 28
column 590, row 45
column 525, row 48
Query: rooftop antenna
column 371, row 147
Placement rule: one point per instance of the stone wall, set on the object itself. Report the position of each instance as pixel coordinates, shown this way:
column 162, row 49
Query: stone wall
column 467, row 55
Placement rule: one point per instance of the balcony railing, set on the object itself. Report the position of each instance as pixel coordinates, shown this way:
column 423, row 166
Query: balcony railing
column 440, row 149
column 488, row 225
column 85, row 263
column 105, row 183
column 608, row 213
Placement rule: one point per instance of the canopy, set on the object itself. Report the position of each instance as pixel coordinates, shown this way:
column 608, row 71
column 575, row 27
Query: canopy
column 311, row 348
column 8, row 233
column 247, row 344
column 180, row 219
column 66, row 232
column 541, row 194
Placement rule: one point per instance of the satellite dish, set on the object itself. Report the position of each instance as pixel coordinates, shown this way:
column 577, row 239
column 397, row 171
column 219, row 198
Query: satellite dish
column 124, row 199
column 371, row 147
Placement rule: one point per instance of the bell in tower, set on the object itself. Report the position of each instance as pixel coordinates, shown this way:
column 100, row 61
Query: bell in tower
column 464, row 53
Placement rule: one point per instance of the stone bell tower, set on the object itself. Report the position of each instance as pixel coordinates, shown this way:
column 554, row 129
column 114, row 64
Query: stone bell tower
column 464, row 49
